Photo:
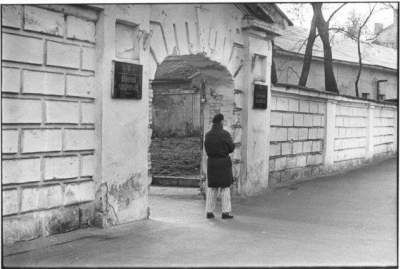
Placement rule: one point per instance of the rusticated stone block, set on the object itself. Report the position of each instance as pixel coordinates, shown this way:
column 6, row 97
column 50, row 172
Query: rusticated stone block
column 286, row 148
column 11, row 16
column 21, row 170
column 10, row 141
column 293, row 133
column 62, row 112
column 10, row 202
column 60, row 220
column 282, row 104
column 61, row 167
column 278, row 134
column 297, row 147
column 287, row 119
column 11, row 80
column 22, row 49
column 276, row 118
column 308, row 120
column 43, row 83
column 50, row 196
column 280, row 163
column 22, row 227
column 275, row 149
column 37, row 140
column 88, row 58
column 64, row 55
column 44, row 21
column 313, row 107
column 29, row 199
column 293, row 105
column 298, row 119
column 88, row 165
column 304, row 106
column 79, row 192
column 80, row 29
column 301, row 161
column 21, row 111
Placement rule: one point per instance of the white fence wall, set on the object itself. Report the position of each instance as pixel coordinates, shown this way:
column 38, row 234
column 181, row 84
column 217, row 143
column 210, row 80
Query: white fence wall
column 315, row 132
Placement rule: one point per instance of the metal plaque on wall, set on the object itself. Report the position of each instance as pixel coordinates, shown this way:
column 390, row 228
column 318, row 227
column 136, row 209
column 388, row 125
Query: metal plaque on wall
column 127, row 80
column 260, row 96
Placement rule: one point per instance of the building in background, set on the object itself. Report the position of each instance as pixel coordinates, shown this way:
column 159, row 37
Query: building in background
column 387, row 36
column 378, row 79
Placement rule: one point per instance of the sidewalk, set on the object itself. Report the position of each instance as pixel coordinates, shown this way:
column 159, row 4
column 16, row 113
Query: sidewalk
column 342, row 220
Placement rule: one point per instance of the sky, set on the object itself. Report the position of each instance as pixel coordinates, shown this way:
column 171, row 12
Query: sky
column 381, row 15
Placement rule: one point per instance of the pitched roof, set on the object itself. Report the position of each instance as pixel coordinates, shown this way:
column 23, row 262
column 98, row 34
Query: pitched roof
column 266, row 12
column 294, row 38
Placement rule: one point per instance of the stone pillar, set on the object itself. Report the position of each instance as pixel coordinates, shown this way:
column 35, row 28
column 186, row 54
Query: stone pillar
column 122, row 164
column 370, row 133
column 330, row 132
column 255, row 122
column 395, row 133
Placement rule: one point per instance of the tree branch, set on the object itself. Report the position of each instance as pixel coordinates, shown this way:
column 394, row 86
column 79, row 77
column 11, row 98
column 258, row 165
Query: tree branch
column 389, row 5
column 366, row 20
column 335, row 11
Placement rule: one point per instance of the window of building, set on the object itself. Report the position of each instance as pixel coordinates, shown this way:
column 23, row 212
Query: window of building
column 365, row 95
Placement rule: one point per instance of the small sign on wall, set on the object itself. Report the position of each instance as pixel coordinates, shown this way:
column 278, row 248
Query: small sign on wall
column 127, row 80
column 260, row 96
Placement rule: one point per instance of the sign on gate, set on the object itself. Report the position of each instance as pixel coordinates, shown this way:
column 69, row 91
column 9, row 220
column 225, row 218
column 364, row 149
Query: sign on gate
column 260, row 96
column 127, row 80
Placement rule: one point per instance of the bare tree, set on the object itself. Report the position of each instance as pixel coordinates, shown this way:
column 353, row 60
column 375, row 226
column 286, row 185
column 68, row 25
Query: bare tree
column 308, row 53
column 359, row 50
column 318, row 23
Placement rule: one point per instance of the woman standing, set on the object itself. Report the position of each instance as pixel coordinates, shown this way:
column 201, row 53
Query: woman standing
column 218, row 144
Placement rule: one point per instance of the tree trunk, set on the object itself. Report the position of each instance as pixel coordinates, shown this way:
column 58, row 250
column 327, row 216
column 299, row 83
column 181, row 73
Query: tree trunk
column 323, row 31
column 308, row 54
column 359, row 66
column 359, row 51
column 274, row 77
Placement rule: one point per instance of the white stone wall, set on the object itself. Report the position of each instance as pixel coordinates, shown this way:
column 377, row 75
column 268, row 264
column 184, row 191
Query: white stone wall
column 48, row 108
column 351, row 132
column 315, row 132
column 363, row 131
column 384, row 130
column 297, row 137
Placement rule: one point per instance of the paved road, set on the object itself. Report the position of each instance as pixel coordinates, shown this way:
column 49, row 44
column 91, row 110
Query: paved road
column 340, row 220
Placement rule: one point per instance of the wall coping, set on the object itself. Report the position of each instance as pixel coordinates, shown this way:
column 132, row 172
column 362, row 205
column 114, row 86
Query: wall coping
column 294, row 90
column 86, row 12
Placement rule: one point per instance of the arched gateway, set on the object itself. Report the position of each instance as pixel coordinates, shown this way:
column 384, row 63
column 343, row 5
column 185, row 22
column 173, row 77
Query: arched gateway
column 116, row 51
column 236, row 38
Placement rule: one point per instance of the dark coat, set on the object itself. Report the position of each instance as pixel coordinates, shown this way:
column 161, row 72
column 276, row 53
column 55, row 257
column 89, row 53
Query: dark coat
column 218, row 144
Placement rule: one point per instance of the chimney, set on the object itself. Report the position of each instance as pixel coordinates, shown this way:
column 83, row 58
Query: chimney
column 395, row 17
column 378, row 28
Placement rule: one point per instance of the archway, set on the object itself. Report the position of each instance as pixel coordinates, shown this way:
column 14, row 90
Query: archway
column 188, row 91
